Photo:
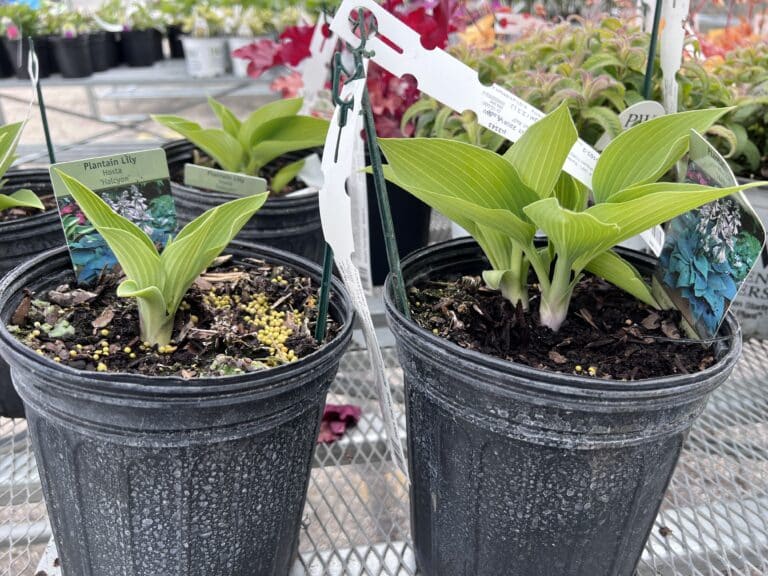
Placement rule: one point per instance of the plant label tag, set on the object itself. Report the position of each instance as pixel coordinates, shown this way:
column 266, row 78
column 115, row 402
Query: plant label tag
column 632, row 116
column 710, row 251
column 398, row 49
column 136, row 185
column 673, row 13
column 223, row 181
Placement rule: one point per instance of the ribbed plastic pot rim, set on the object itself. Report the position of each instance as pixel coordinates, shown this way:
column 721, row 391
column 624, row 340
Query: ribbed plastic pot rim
column 118, row 383
column 555, row 382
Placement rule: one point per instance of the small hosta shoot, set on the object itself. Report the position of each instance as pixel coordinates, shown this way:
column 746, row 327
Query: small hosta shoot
column 160, row 281
column 246, row 146
column 503, row 200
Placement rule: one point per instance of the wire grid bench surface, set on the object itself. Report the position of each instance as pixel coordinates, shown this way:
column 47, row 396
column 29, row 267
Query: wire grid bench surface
column 714, row 520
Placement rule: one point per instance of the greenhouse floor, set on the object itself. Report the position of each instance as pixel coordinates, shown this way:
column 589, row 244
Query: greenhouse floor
column 713, row 522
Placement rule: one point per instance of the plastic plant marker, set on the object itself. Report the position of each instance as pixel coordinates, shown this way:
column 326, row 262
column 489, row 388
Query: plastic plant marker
column 336, row 215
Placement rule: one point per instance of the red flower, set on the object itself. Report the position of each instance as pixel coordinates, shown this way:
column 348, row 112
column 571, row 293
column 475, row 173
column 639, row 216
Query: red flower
column 294, row 44
column 336, row 419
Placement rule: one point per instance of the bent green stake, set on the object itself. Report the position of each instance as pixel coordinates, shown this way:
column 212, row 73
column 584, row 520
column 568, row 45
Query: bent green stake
column 648, row 84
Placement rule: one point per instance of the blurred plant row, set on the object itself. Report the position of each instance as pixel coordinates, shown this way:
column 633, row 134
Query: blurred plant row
column 598, row 69
column 206, row 18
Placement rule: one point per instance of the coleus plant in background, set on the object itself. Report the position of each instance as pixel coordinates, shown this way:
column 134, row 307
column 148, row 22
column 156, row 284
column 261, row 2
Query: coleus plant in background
column 246, row 146
column 160, row 281
column 9, row 139
column 503, row 200
column 390, row 96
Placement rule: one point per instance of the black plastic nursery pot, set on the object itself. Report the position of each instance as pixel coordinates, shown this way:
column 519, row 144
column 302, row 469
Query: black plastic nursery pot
column 6, row 67
column 139, row 47
column 522, row 472
column 157, row 44
column 290, row 223
column 18, row 53
column 73, row 56
column 160, row 475
column 173, row 32
column 21, row 240
column 103, row 50
column 411, row 220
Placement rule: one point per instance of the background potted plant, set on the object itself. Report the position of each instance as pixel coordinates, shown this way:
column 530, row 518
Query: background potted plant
column 29, row 225
column 138, row 439
column 556, row 463
column 271, row 142
column 205, row 47
column 175, row 12
column 141, row 40
column 72, row 45
column 18, row 23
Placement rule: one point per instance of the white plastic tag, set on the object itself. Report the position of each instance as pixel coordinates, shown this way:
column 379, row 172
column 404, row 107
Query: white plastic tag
column 315, row 69
column 339, row 161
column 452, row 82
column 674, row 14
column 635, row 114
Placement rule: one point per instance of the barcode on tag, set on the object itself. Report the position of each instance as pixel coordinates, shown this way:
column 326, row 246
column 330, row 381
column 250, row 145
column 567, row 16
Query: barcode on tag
column 654, row 238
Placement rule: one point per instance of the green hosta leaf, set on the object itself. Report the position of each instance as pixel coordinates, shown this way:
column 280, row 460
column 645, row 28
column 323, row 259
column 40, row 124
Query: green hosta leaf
column 285, row 175
column 571, row 193
column 21, row 199
column 576, row 236
column 539, row 154
column 201, row 241
column 284, row 135
column 153, row 309
column 222, row 147
column 613, row 268
column 268, row 112
column 646, row 211
column 457, row 170
column 229, row 122
column 647, row 151
column 10, row 134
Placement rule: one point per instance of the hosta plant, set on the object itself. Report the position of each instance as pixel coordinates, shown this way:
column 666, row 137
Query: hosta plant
column 246, row 146
column 503, row 200
column 159, row 281
column 9, row 139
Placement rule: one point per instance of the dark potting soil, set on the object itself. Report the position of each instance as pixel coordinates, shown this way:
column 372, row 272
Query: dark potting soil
column 234, row 319
column 608, row 333
column 49, row 202
column 200, row 158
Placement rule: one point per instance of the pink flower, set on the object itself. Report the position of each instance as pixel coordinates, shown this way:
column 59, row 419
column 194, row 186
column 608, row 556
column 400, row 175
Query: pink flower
column 289, row 85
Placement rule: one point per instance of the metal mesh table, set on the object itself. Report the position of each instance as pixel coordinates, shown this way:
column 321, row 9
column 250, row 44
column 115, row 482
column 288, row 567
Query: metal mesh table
column 714, row 520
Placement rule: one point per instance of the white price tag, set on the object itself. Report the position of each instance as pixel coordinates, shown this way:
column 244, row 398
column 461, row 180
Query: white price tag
column 632, row 116
column 451, row 82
